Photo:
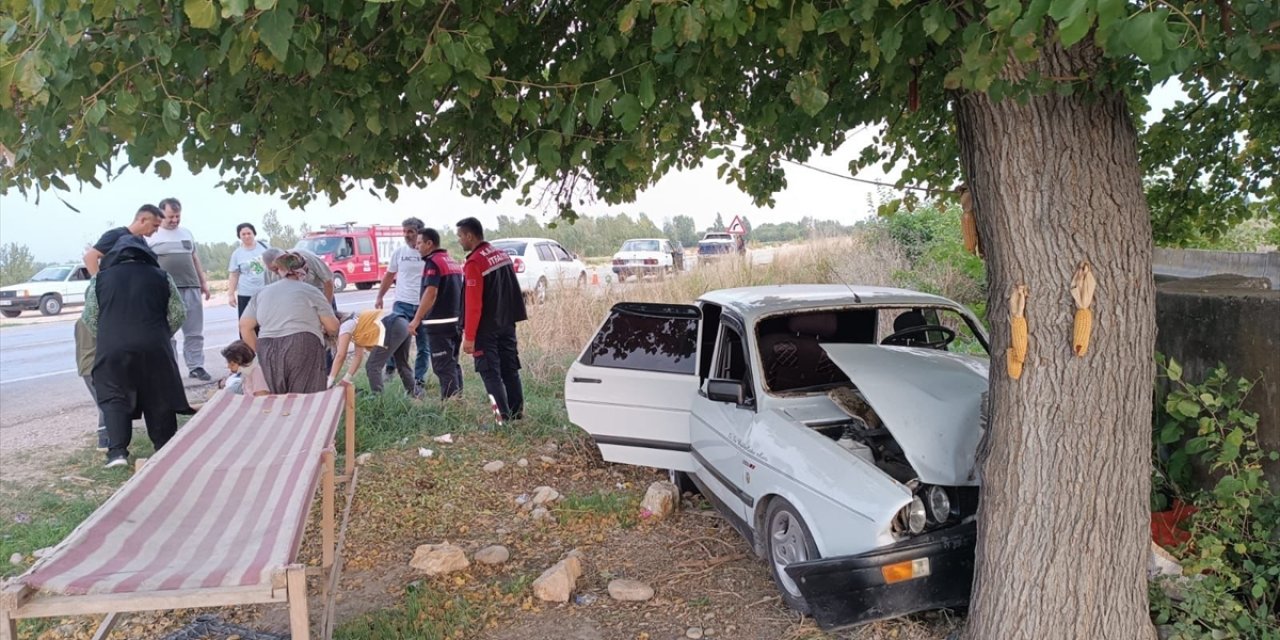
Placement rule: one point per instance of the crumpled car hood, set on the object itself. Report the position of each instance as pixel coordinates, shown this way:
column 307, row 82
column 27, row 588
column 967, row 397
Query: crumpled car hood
column 929, row 399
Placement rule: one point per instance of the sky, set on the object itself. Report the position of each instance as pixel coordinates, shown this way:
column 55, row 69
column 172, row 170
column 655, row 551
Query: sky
column 56, row 233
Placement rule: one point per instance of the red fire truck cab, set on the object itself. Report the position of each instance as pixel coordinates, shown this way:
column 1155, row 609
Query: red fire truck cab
column 357, row 255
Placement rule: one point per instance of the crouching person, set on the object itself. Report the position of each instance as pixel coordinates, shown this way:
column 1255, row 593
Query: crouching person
column 382, row 337
column 440, row 311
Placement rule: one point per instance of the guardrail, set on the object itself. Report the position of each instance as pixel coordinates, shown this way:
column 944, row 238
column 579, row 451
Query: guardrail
column 1194, row 263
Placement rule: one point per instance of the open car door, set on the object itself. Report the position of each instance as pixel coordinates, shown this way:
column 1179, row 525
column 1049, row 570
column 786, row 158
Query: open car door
column 633, row 385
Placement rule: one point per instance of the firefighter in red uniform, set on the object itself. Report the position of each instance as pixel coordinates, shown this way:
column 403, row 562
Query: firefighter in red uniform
column 440, row 310
column 492, row 306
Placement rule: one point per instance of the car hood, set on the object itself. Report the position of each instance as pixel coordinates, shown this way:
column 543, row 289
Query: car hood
column 929, row 399
column 23, row 286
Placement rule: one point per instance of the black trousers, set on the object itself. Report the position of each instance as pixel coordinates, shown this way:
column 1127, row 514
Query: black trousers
column 444, row 361
column 161, row 421
column 498, row 362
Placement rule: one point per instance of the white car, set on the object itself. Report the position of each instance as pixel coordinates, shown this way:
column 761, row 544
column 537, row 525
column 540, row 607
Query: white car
column 646, row 257
column 835, row 427
column 543, row 265
column 49, row 290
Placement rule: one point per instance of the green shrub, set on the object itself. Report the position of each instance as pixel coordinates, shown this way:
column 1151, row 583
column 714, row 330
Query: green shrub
column 1233, row 554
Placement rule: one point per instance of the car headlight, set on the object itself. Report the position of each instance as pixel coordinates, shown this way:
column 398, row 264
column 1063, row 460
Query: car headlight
column 914, row 515
column 939, row 503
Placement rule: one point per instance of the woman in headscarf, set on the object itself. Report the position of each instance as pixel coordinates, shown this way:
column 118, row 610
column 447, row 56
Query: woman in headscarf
column 382, row 336
column 133, row 307
column 291, row 318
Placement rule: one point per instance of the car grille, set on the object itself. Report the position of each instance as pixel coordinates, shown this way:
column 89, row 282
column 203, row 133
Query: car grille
column 8, row 294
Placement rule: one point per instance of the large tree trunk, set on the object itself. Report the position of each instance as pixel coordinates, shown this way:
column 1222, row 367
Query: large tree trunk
column 1064, row 523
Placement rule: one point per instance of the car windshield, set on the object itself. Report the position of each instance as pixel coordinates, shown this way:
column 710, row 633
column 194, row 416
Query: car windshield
column 640, row 245
column 791, row 345
column 320, row 246
column 512, row 247
column 51, row 274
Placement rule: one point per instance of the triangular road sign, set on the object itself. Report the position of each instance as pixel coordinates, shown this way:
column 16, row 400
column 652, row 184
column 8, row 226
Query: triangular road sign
column 736, row 227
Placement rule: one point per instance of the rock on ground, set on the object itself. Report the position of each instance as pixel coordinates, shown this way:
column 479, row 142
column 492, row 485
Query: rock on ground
column 694, row 633
column 522, row 462
column 496, row 554
column 364, row 458
column 1162, row 563
column 540, row 513
column 627, row 590
column 557, row 582
column 495, row 466
column 16, row 559
column 544, row 495
column 660, row 500
column 435, row 559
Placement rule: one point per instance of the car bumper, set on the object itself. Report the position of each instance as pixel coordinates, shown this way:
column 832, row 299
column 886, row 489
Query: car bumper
column 851, row 590
column 19, row 304
column 639, row 269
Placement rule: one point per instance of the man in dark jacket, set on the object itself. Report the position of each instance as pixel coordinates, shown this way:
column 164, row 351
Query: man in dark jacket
column 440, row 311
column 492, row 306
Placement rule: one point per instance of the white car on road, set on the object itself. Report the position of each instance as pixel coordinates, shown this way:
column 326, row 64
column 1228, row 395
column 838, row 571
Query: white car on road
column 543, row 265
column 835, row 427
column 49, row 290
column 646, row 257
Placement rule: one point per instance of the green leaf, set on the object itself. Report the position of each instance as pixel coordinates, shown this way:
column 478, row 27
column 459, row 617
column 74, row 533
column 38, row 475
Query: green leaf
column 373, row 123
column 506, row 108
column 549, row 151
column 204, row 124
column 103, row 9
column 1074, row 28
column 890, row 40
column 627, row 17
column 1109, row 11
column 833, row 20
column 58, row 183
column 163, row 169
column 595, row 109
column 264, row 5
column 234, row 8
column 275, row 27
column 663, row 36
column 646, row 88
column 1144, row 35
column 1188, row 408
column 314, row 63
column 628, row 112
column 1175, row 370
column 94, row 114
column 201, row 13
column 1060, row 10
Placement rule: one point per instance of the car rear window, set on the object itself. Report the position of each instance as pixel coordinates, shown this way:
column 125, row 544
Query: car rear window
column 512, row 248
column 640, row 245
column 649, row 337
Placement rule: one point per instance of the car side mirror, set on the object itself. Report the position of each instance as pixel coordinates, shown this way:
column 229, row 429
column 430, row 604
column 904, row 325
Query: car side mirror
column 726, row 391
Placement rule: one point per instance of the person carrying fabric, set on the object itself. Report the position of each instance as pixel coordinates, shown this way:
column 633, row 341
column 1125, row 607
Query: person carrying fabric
column 439, row 311
column 291, row 319
column 493, row 305
column 381, row 336
column 133, row 307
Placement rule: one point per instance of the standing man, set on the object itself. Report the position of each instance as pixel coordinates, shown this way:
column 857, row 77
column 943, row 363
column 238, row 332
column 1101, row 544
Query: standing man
column 439, row 311
column 493, row 305
column 405, row 269
column 145, row 222
column 175, row 248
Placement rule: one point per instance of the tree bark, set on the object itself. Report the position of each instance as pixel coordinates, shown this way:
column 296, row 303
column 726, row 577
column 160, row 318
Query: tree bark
column 1063, row 530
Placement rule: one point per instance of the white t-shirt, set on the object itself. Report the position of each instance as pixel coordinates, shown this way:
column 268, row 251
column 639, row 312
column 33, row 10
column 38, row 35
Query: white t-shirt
column 406, row 263
column 174, row 248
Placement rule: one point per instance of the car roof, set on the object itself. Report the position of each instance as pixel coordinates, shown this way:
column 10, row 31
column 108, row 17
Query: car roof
column 525, row 240
column 753, row 303
column 642, row 240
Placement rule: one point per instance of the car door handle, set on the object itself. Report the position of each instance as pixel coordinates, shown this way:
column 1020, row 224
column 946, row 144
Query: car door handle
column 588, row 380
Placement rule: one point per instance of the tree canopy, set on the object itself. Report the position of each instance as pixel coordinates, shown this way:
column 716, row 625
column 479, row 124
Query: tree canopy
column 600, row 99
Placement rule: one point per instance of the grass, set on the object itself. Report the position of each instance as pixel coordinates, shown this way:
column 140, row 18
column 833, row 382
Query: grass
column 621, row 507
column 427, row 614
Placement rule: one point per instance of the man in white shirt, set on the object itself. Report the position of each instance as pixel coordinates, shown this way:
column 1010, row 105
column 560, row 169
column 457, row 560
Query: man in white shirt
column 175, row 248
column 405, row 268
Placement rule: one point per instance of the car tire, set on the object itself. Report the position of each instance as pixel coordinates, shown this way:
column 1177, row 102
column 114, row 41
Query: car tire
column 339, row 281
column 787, row 541
column 684, row 484
column 11, row 313
column 582, row 280
column 51, row 304
column 364, row 286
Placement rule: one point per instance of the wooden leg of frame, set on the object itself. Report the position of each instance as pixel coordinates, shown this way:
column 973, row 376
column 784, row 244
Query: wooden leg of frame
column 299, row 617
column 8, row 627
column 108, row 623
column 326, row 513
column 349, row 464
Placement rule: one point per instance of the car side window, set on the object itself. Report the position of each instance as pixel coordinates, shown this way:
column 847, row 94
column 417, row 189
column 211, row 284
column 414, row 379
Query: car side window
column 545, row 254
column 560, row 253
column 366, row 245
column 646, row 337
column 731, row 360
column 80, row 274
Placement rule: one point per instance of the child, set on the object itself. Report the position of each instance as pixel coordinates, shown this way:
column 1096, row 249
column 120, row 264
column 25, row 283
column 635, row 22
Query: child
column 246, row 376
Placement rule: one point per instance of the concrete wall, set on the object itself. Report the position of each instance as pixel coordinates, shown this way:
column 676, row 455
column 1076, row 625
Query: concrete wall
column 1233, row 320
column 1191, row 263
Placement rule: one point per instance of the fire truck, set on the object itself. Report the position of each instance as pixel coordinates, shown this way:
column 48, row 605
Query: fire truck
column 357, row 255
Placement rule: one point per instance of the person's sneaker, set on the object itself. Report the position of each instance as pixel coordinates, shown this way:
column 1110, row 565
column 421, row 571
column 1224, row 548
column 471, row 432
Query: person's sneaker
column 117, row 461
column 102, row 439
column 200, row 374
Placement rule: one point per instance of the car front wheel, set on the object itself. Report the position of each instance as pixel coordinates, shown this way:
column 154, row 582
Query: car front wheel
column 11, row 313
column 51, row 305
column 540, row 291
column 339, row 282
column 789, row 542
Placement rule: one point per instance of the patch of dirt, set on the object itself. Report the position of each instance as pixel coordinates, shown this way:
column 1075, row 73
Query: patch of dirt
column 703, row 573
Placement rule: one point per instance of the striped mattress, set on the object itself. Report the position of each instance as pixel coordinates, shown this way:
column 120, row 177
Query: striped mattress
column 224, row 504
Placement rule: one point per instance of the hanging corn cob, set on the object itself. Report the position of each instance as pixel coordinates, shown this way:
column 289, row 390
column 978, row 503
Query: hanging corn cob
column 1082, row 288
column 1018, row 326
